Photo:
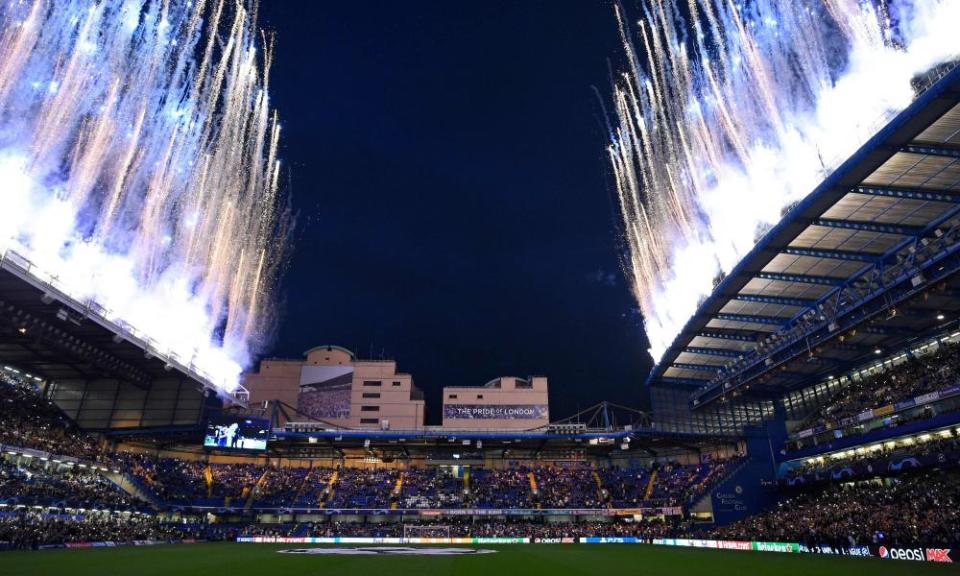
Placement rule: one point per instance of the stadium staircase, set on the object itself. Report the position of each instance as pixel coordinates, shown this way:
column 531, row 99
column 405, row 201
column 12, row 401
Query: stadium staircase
column 749, row 487
column 703, row 503
column 596, row 478
column 256, row 490
column 397, row 490
column 134, row 488
column 534, row 491
column 303, row 485
column 330, row 488
column 650, row 484
column 208, row 478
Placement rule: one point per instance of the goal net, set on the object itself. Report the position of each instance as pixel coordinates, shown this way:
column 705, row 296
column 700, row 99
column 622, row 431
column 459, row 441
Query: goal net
column 427, row 531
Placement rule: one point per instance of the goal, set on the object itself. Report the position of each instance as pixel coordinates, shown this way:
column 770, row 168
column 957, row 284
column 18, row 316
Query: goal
column 427, row 531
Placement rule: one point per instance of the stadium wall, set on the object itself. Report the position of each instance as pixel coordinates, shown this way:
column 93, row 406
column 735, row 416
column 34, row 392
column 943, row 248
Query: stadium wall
column 331, row 385
column 506, row 403
column 752, row 487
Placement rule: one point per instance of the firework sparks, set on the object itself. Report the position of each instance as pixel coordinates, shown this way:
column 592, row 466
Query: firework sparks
column 730, row 112
column 138, row 156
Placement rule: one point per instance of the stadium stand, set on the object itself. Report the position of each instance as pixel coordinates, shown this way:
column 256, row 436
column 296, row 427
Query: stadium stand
column 31, row 529
column 924, row 450
column 360, row 488
column 39, row 483
column 33, row 422
column 899, row 512
column 897, row 507
column 914, row 377
column 426, row 488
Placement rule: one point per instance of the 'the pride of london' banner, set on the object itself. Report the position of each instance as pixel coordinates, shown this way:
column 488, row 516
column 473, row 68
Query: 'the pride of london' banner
column 496, row 412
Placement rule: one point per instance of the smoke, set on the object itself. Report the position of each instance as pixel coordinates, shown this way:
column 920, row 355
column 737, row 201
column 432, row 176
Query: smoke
column 139, row 170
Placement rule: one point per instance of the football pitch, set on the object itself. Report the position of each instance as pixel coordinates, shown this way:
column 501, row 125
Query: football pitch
column 231, row 559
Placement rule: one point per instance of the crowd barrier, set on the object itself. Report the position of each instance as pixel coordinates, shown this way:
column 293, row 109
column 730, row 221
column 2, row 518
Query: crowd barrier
column 872, row 467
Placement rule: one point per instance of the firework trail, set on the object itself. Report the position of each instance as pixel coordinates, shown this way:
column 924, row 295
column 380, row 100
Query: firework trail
column 138, row 162
column 729, row 112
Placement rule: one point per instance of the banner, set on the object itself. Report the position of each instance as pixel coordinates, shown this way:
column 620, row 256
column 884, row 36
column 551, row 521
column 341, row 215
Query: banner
column 918, row 554
column 915, row 554
column 905, row 404
column 878, row 466
column 495, row 412
column 862, row 551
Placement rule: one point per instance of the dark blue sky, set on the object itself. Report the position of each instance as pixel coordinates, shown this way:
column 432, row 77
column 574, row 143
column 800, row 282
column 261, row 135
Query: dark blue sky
column 455, row 212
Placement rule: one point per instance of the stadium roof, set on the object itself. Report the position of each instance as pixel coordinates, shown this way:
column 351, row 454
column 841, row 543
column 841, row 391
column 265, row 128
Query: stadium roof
column 46, row 332
column 859, row 268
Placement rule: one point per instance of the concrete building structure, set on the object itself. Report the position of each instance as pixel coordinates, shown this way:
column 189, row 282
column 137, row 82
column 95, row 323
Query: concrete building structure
column 506, row 403
column 332, row 386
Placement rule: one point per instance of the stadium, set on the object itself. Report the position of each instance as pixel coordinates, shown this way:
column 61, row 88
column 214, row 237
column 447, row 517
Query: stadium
column 804, row 417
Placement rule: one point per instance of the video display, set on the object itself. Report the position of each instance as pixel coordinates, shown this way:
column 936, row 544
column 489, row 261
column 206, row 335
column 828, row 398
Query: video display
column 247, row 434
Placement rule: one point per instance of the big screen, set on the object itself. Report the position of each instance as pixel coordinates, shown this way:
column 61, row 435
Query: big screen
column 233, row 433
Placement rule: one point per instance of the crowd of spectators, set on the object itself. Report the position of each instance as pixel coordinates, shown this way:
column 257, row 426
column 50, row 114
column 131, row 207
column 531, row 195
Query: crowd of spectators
column 500, row 488
column 28, row 529
column 916, row 509
column 567, row 487
column 30, row 421
column 363, row 488
column 431, row 488
column 481, row 528
column 185, row 482
column 921, row 508
column 315, row 490
column 193, row 482
column 280, row 486
column 38, row 483
column 946, row 443
column 914, row 377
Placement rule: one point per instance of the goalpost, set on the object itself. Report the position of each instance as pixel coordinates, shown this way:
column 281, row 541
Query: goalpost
column 425, row 531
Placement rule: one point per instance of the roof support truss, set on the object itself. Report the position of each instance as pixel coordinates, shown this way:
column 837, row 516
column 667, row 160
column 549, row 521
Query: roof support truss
column 909, row 193
column 736, row 335
column 834, row 254
column 773, row 300
column 683, row 381
column 768, row 320
column 898, row 229
column 932, row 150
column 801, row 278
column 696, row 367
column 713, row 352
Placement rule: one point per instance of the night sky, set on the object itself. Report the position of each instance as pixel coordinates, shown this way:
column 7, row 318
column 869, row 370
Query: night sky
column 455, row 211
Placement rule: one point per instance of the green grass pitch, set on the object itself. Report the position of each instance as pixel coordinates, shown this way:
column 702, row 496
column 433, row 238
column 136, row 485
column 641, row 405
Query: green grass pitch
column 534, row 560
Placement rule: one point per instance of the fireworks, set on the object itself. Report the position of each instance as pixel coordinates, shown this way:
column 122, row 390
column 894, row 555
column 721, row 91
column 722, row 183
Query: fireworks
column 138, row 159
column 730, row 112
